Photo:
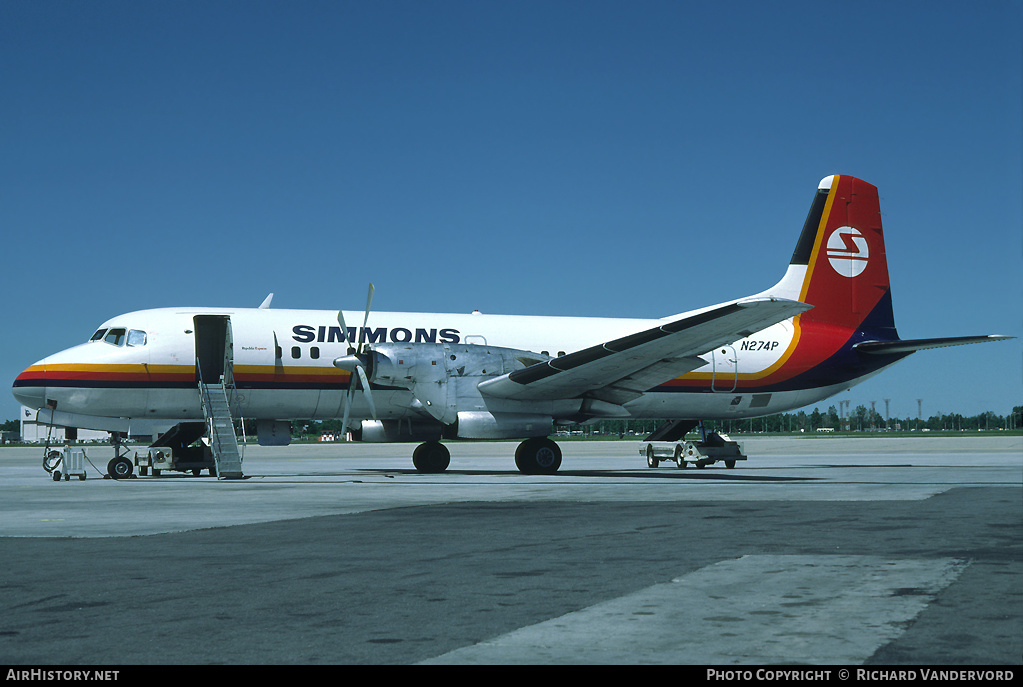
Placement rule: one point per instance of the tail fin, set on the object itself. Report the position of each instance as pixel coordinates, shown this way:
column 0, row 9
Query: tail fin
column 841, row 269
column 839, row 265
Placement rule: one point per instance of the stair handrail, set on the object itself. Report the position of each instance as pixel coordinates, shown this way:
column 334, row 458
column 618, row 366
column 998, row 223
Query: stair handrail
column 204, row 397
column 214, row 433
column 232, row 397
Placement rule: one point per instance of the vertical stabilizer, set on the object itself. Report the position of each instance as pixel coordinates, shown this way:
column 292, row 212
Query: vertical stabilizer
column 839, row 265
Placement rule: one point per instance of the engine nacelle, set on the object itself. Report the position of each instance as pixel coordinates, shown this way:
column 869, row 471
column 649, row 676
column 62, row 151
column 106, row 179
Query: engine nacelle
column 476, row 424
column 432, row 372
column 406, row 364
column 394, row 431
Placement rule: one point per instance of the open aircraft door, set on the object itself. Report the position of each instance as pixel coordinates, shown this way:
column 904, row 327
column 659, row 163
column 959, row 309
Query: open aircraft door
column 214, row 348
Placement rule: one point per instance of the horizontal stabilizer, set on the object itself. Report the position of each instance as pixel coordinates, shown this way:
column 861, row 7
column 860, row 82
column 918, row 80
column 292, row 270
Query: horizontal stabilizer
column 911, row 345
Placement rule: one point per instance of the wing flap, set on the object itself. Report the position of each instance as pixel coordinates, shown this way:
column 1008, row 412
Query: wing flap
column 628, row 366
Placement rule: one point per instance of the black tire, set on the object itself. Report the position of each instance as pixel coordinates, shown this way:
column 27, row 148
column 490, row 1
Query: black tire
column 120, row 468
column 431, row 457
column 540, row 456
column 651, row 459
column 680, row 459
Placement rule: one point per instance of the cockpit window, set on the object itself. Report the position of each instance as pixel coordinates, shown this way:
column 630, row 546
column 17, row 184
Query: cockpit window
column 115, row 336
column 119, row 336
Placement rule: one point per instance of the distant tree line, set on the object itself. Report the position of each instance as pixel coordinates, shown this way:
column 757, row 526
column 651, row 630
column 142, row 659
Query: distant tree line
column 860, row 419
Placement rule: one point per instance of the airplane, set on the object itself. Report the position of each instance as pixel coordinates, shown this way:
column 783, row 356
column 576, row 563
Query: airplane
column 827, row 325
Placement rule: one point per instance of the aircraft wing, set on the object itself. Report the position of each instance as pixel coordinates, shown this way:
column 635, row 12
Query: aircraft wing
column 618, row 371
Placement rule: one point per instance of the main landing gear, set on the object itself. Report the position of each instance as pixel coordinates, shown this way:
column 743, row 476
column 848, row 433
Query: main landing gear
column 431, row 457
column 537, row 456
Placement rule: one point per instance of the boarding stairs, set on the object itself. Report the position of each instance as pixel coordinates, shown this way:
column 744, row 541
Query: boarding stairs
column 216, row 407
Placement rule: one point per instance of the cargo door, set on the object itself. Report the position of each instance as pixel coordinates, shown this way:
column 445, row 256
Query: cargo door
column 725, row 376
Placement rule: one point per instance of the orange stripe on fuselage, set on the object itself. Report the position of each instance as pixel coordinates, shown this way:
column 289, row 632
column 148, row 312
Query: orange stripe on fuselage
column 138, row 372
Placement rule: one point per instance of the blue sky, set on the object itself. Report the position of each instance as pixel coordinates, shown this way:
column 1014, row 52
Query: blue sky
column 563, row 158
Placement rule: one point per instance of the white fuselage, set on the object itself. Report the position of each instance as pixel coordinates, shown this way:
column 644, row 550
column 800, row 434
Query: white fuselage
column 283, row 365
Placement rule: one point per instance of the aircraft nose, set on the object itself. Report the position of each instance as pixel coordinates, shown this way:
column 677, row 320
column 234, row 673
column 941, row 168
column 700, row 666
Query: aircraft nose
column 28, row 388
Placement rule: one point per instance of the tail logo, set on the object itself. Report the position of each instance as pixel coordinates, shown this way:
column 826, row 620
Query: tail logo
column 847, row 251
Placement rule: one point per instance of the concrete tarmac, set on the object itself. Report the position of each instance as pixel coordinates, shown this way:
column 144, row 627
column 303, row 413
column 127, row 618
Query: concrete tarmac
column 823, row 551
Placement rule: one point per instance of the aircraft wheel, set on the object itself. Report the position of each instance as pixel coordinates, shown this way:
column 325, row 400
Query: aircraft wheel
column 680, row 459
column 540, row 456
column 431, row 457
column 651, row 459
column 729, row 463
column 120, row 468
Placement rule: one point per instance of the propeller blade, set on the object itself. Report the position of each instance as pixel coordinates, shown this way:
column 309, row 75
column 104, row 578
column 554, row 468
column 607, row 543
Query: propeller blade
column 365, row 389
column 348, row 407
column 355, row 364
column 344, row 328
column 369, row 302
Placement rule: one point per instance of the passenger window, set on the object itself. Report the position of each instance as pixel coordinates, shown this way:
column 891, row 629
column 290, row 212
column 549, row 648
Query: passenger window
column 98, row 335
column 115, row 337
column 296, row 352
column 314, row 352
column 136, row 337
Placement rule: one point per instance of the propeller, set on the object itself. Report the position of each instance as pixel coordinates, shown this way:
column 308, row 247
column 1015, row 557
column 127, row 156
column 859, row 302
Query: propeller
column 355, row 362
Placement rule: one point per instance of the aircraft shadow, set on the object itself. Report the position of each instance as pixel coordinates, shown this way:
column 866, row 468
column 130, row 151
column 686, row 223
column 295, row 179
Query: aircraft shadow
column 717, row 475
